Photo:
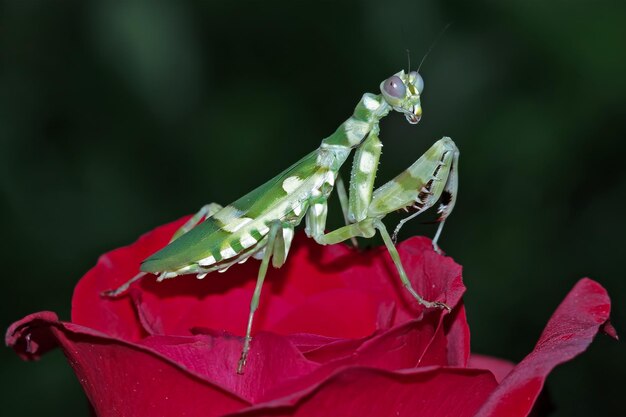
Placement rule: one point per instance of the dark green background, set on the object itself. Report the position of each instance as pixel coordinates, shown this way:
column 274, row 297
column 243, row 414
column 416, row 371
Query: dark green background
column 116, row 117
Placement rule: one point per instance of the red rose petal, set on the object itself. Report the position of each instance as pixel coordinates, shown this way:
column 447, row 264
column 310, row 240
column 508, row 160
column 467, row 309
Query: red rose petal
column 116, row 317
column 326, row 349
column 290, row 300
column 435, row 277
column 404, row 346
column 570, row 330
column 609, row 330
column 457, row 337
column 428, row 392
column 272, row 360
column 152, row 352
column 29, row 337
column 498, row 367
column 122, row 379
column 318, row 314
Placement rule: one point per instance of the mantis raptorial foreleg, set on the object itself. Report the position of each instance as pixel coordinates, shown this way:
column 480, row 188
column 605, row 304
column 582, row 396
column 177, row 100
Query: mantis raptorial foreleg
column 448, row 199
column 364, row 168
column 430, row 178
column 450, row 179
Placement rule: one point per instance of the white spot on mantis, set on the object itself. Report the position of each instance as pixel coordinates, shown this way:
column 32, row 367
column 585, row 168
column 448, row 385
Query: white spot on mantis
column 355, row 130
column 209, row 260
column 330, row 178
column 324, row 158
column 243, row 260
column 236, row 224
column 287, row 234
column 223, row 269
column 247, row 240
column 227, row 214
column 291, row 184
column 364, row 192
column 201, row 276
column 263, row 229
column 367, row 162
column 166, row 275
column 228, row 253
column 297, row 208
column 316, row 192
column 370, row 102
column 318, row 209
column 287, row 237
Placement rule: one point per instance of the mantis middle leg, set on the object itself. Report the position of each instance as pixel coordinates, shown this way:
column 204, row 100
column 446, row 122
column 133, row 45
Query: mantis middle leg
column 278, row 242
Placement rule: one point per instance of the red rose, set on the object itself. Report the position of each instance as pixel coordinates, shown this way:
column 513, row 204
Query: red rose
column 335, row 335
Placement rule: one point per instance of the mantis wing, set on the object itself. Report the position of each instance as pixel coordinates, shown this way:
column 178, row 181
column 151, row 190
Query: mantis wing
column 211, row 236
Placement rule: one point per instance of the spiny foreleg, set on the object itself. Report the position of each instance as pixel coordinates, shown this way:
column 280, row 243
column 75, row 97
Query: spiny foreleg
column 420, row 186
column 364, row 168
column 448, row 198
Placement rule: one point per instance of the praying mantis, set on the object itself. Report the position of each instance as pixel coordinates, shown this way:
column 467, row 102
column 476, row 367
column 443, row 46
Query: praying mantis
column 261, row 223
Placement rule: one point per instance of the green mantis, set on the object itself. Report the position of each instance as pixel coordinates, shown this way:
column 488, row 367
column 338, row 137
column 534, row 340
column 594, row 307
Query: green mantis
column 261, row 223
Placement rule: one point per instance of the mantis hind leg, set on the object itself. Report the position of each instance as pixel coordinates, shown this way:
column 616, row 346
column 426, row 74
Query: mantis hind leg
column 204, row 213
column 278, row 243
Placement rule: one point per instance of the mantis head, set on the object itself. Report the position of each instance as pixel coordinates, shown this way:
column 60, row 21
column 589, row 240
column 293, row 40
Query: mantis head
column 402, row 92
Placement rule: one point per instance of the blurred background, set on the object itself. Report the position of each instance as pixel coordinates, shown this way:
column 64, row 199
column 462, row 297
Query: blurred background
column 116, row 117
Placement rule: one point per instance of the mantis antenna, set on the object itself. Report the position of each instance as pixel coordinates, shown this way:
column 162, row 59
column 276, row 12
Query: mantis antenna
column 408, row 54
column 432, row 45
column 408, row 58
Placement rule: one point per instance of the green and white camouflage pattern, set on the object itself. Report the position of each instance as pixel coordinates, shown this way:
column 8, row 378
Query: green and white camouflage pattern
column 261, row 223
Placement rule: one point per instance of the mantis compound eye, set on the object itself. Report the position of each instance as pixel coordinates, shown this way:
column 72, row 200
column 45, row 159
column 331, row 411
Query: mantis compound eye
column 417, row 81
column 394, row 87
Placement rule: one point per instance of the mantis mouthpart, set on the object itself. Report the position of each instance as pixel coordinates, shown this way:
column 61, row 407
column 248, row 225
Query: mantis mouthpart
column 261, row 223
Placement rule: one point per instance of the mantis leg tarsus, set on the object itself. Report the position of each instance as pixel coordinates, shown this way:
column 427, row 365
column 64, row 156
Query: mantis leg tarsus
column 395, row 256
column 367, row 228
column 270, row 249
column 124, row 287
